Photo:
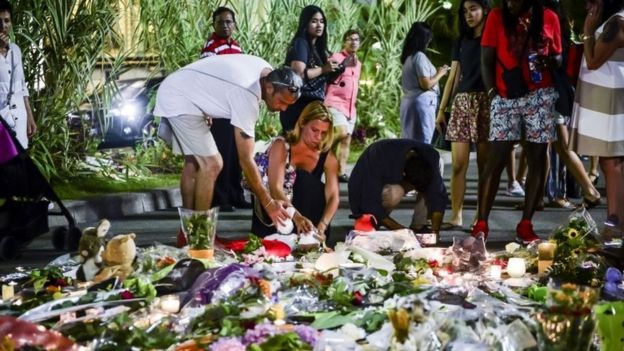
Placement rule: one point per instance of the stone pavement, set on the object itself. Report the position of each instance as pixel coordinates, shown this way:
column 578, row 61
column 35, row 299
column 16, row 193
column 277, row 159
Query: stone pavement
column 153, row 217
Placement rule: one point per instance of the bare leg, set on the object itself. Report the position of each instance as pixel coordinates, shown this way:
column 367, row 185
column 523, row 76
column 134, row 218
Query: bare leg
column 460, row 160
column 536, row 167
column 613, row 169
column 593, row 168
column 497, row 158
column 574, row 164
column 511, row 167
column 522, row 167
column 208, row 170
column 187, row 182
column 342, row 140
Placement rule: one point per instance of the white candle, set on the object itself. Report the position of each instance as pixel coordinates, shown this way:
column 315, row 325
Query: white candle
column 170, row 303
column 495, row 271
column 516, row 267
column 8, row 292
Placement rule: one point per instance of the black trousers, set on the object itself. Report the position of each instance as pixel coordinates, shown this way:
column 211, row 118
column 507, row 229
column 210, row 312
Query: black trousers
column 228, row 190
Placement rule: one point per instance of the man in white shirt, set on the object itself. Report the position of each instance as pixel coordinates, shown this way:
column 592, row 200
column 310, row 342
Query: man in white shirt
column 222, row 87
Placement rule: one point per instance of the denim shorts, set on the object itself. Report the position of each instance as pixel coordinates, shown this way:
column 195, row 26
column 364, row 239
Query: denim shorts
column 531, row 117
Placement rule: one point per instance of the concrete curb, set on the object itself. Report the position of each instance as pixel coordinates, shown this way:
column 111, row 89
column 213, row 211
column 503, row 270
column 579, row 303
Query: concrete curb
column 120, row 205
column 113, row 206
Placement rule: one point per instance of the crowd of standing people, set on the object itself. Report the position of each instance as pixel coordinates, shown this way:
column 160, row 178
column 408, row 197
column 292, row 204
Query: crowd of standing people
column 511, row 81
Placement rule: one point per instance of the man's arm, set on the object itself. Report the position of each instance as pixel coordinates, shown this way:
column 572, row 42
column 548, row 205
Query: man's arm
column 245, row 148
column 31, row 126
column 391, row 224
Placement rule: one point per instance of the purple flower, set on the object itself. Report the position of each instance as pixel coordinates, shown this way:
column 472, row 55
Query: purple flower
column 259, row 334
column 227, row 344
column 307, row 334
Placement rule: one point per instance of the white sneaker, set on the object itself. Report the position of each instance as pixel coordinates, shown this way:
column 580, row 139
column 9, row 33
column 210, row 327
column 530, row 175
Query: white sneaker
column 515, row 190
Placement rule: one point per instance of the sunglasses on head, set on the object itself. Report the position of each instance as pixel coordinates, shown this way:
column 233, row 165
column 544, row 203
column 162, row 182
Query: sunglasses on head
column 291, row 88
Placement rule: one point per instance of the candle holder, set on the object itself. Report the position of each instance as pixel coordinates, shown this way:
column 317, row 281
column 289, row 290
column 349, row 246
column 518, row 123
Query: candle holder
column 496, row 271
column 546, row 254
column 200, row 228
column 516, row 267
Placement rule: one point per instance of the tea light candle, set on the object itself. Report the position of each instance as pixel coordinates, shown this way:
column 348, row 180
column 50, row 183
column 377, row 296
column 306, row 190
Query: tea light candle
column 495, row 271
column 170, row 303
column 546, row 251
column 8, row 291
column 516, row 267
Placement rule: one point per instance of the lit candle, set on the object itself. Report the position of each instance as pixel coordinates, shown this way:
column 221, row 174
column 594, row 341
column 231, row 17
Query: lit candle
column 495, row 271
column 170, row 303
column 516, row 267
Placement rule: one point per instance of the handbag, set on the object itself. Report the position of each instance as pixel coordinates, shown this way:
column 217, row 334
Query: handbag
column 314, row 88
column 439, row 139
column 514, row 81
column 8, row 149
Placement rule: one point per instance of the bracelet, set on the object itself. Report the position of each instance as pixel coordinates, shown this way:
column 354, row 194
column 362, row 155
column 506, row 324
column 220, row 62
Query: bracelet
column 324, row 223
column 585, row 37
column 268, row 203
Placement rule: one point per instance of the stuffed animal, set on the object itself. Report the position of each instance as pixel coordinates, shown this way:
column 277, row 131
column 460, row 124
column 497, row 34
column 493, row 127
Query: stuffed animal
column 118, row 257
column 90, row 250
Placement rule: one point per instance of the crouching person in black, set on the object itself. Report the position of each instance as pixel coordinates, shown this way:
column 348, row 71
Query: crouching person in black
column 389, row 169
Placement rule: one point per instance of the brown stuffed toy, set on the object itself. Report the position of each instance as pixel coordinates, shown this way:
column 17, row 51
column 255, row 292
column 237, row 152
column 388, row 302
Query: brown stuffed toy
column 118, row 257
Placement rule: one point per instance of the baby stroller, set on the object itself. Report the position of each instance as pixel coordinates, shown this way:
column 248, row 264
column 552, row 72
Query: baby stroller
column 24, row 198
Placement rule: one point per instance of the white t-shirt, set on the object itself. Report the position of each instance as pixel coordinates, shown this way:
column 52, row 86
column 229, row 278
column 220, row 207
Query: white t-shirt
column 226, row 86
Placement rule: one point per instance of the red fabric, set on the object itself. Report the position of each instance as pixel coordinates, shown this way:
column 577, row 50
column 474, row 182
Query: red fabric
column 366, row 223
column 274, row 248
column 216, row 45
column 494, row 36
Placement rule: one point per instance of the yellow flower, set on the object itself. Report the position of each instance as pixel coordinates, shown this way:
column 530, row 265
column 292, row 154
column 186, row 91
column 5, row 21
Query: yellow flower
column 572, row 233
column 568, row 287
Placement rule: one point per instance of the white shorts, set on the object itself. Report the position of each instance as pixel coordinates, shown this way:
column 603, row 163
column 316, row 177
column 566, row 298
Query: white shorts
column 191, row 136
column 340, row 120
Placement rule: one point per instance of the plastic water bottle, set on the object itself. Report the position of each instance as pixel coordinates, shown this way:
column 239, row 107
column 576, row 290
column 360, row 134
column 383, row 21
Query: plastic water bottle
column 534, row 72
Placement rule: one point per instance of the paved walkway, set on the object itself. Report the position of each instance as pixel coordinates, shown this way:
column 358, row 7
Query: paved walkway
column 153, row 217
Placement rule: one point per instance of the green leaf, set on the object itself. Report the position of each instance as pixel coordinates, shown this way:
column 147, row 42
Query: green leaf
column 330, row 320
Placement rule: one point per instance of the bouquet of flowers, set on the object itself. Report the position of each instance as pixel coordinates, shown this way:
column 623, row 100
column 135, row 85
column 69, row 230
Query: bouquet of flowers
column 567, row 322
column 575, row 259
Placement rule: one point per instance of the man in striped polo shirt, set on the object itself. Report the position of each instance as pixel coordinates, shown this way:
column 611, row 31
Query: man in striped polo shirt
column 228, row 192
column 221, row 42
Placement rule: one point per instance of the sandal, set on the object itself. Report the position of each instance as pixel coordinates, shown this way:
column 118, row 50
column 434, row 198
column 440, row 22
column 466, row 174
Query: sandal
column 562, row 203
column 588, row 204
column 593, row 177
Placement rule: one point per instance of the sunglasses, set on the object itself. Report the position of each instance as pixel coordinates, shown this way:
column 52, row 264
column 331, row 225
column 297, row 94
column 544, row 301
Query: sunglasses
column 294, row 90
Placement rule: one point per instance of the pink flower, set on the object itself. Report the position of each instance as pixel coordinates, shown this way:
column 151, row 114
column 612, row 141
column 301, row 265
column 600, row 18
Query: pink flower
column 227, row 344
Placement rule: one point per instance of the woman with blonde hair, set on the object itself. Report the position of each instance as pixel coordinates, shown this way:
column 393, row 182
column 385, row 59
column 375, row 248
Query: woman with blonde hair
column 296, row 164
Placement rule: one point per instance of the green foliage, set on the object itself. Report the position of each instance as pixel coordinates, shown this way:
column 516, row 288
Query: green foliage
column 62, row 42
column 253, row 244
column 282, row 342
column 221, row 319
column 199, row 228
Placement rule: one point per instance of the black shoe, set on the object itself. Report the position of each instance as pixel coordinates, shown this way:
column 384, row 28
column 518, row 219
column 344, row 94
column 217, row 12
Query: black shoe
column 226, row 208
column 243, row 204
column 343, row 178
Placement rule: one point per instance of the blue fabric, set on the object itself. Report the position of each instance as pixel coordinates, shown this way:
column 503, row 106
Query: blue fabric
column 418, row 117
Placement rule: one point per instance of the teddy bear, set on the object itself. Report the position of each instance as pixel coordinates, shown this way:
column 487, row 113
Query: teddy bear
column 90, row 250
column 118, row 257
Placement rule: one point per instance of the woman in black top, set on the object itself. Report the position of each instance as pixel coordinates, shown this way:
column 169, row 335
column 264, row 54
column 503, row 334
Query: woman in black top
column 308, row 55
column 470, row 110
